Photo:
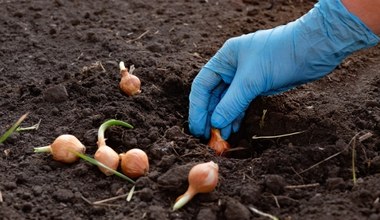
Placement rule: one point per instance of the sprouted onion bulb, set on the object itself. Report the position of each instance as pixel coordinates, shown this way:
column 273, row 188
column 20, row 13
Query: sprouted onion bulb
column 202, row 178
column 61, row 147
column 134, row 163
column 105, row 154
column 217, row 143
column 129, row 83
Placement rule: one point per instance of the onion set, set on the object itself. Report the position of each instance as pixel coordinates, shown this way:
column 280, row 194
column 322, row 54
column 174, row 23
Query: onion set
column 217, row 143
column 134, row 163
column 62, row 147
column 99, row 164
column 105, row 154
column 202, row 178
column 129, row 83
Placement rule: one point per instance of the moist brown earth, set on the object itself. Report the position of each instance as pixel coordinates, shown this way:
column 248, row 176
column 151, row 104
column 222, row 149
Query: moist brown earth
column 59, row 62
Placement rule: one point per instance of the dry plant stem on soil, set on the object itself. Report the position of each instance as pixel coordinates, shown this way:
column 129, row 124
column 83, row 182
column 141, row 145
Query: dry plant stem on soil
column 277, row 136
column 33, row 127
column 365, row 136
column 262, row 120
column 105, row 154
column 262, row 213
column 100, row 204
column 334, row 155
column 360, row 139
column 353, row 161
column 276, row 201
column 128, row 195
column 139, row 37
column 110, row 199
column 302, row 186
column 13, row 128
column 322, row 161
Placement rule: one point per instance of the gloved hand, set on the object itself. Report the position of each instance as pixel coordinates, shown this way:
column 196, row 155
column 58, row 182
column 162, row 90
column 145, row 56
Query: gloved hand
column 271, row 61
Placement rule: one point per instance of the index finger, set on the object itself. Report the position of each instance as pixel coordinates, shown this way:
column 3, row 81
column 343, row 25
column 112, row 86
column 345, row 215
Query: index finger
column 201, row 91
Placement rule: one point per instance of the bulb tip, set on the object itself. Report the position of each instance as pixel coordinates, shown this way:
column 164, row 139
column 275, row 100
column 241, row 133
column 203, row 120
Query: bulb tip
column 214, row 165
column 217, row 143
column 122, row 66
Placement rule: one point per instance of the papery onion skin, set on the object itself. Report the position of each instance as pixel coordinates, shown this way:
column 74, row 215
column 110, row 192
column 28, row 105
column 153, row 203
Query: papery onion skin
column 203, row 178
column 108, row 157
column 62, row 145
column 217, row 143
column 129, row 83
column 134, row 163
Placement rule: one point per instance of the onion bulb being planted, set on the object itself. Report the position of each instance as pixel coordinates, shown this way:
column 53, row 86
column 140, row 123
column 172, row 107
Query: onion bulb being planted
column 105, row 154
column 202, row 178
column 61, row 147
column 217, row 143
column 129, row 83
column 134, row 163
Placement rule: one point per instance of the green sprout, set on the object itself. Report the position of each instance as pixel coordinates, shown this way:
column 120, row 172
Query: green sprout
column 13, row 128
column 99, row 164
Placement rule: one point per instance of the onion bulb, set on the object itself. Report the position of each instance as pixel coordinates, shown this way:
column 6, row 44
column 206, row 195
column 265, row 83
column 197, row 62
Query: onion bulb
column 129, row 83
column 202, row 178
column 134, row 163
column 61, row 147
column 105, row 154
column 217, row 143
column 108, row 157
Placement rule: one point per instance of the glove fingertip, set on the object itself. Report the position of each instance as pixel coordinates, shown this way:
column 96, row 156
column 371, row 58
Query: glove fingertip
column 226, row 132
column 218, row 120
column 195, row 131
column 237, row 122
column 197, row 124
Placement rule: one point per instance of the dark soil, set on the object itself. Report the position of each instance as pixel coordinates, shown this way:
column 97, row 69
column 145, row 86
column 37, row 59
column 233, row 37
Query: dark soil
column 59, row 61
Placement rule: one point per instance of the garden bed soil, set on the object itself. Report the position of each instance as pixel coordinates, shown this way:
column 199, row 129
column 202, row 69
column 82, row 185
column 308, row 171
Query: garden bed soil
column 59, row 62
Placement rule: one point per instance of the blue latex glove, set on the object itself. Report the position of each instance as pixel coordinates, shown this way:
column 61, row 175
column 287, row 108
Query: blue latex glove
column 271, row 61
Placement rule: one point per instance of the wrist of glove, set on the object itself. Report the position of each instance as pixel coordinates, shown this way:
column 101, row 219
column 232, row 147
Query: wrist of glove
column 271, row 61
